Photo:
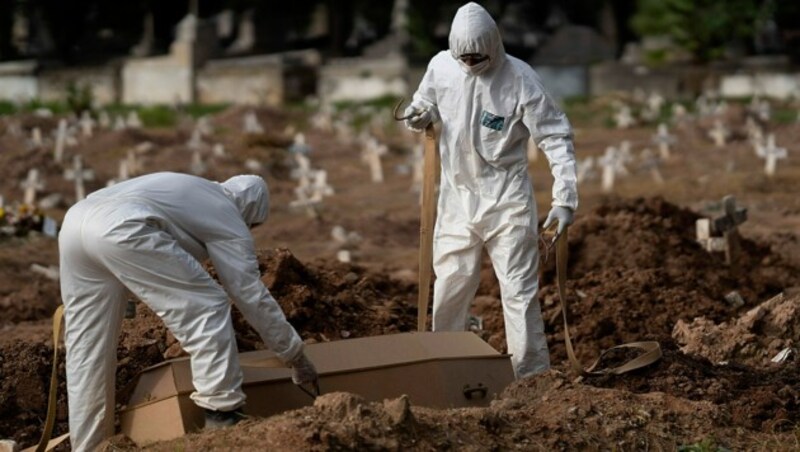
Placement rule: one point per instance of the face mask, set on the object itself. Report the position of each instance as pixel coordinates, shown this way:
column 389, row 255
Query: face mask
column 476, row 69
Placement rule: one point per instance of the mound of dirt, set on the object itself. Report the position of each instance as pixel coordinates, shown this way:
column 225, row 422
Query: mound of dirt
column 754, row 339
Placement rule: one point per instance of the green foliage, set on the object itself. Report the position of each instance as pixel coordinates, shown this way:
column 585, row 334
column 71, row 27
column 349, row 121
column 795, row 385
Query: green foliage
column 56, row 107
column 785, row 116
column 157, row 116
column 7, row 108
column 79, row 97
column 706, row 445
column 702, row 27
column 198, row 110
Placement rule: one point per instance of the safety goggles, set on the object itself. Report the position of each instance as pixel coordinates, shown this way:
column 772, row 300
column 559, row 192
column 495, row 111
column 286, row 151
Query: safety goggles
column 471, row 59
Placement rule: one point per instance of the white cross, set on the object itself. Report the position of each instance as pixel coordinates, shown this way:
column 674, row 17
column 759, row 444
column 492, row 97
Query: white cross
column 586, row 169
column 104, row 120
column 133, row 121
column 303, row 170
column 119, row 123
column 623, row 117
column 678, row 112
column 663, row 139
column 32, row 184
column 651, row 162
column 719, row 133
column 204, row 126
column 771, row 154
column 702, row 106
column 132, row 163
column 371, row 154
column 612, row 164
column 309, row 203
column 320, row 184
column 197, row 167
column 251, row 124
column 754, row 132
column 87, row 124
column 218, row 150
column 196, row 141
column 61, row 136
column 655, row 101
column 299, row 145
column 79, row 175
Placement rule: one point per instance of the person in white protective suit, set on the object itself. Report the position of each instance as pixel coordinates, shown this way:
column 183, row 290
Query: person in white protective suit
column 149, row 235
column 489, row 104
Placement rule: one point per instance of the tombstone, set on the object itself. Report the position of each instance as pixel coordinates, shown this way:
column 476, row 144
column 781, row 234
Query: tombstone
column 79, row 174
column 719, row 133
column 36, row 138
column 727, row 225
column 651, row 163
column 87, row 124
column 319, row 185
column 133, row 121
column 61, row 136
column 652, row 109
column 533, row 150
column 218, row 150
column 771, row 154
column 371, row 154
column 623, row 117
column 251, row 124
column 299, row 145
column 32, row 184
column 305, row 201
column 197, row 166
column 119, row 123
column 103, row 120
column 303, row 171
column 678, row 112
column 663, row 139
column 586, row 169
column 43, row 113
column 612, row 164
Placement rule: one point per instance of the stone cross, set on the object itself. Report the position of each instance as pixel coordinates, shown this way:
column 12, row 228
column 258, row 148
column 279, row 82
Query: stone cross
column 719, row 133
column 754, row 132
column 678, row 112
column 104, row 120
column 133, row 121
column 651, row 163
column 36, row 138
column 87, row 124
column 32, row 184
column 771, row 154
column 79, row 174
column 306, row 199
column 197, row 167
column 623, row 117
column 299, row 145
column 320, row 185
column 371, row 154
column 586, row 169
column 119, row 123
column 303, row 172
column 612, row 164
column 61, row 136
column 533, row 150
column 663, row 139
column 727, row 225
column 251, row 124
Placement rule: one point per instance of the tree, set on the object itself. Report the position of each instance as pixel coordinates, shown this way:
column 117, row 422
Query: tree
column 705, row 28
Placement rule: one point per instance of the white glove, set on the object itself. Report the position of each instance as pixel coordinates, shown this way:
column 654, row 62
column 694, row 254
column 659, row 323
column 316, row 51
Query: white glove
column 561, row 214
column 303, row 370
column 419, row 120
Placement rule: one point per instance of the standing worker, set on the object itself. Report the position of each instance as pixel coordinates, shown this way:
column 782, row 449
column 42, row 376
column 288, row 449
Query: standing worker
column 489, row 104
column 150, row 235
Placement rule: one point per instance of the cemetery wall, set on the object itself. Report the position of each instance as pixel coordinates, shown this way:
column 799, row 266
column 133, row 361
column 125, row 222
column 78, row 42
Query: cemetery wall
column 563, row 82
column 159, row 80
column 104, row 82
column 18, row 81
column 672, row 82
column 248, row 81
column 360, row 79
column 775, row 85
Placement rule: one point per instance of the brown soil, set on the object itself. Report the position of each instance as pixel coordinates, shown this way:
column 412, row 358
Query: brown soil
column 635, row 273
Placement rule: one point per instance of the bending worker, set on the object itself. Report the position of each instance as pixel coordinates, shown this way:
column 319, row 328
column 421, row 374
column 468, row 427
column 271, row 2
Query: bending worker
column 489, row 104
column 150, row 235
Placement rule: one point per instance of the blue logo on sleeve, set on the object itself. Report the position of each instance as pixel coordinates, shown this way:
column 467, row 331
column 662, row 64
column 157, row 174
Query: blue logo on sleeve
column 491, row 121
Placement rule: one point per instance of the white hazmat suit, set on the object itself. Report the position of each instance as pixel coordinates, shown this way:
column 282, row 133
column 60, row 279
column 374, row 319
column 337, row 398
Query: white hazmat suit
column 150, row 235
column 487, row 113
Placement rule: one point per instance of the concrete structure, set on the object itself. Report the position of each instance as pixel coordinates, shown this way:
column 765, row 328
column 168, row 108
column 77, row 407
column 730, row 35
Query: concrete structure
column 18, row 81
column 359, row 79
column 104, row 81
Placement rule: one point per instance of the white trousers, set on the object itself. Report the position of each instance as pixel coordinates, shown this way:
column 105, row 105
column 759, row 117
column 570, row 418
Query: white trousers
column 101, row 254
column 515, row 258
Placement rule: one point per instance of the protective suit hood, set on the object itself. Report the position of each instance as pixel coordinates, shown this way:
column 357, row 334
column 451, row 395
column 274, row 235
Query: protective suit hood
column 251, row 195
column 474, row 31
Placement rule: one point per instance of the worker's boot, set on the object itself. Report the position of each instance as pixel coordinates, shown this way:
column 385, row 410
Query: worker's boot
column 220, row 419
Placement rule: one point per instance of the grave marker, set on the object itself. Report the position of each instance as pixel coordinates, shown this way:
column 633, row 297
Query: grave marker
column 371, row 154
column 771, row 154
column 32, row 184
column 87, row 124
column 79, row 174
column 719, row 133
column 651, row 163
column 663, row 139
column 251, row 124
column 61, row 136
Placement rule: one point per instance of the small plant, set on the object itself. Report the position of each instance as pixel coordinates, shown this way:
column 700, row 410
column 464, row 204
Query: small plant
column 706, row 445
column 80, row 97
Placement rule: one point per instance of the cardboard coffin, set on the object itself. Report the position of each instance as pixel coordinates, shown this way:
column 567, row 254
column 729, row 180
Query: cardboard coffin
column 438, row 370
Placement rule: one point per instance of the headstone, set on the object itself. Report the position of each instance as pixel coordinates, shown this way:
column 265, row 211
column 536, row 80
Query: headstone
column 755, row 134
column 719, row 133
column 320, row 185
column 371, row 154
column 133, row 121
column 32, row 184
column 678, row 112
column 79, row 174
column 251, row 124
column 61, row 136
column 299, row 145
column 651, row 163
column 623, row 117
column 303, row 171
column 771, row 154
column 664, row 140
column 727, row 225
column 87, row 124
